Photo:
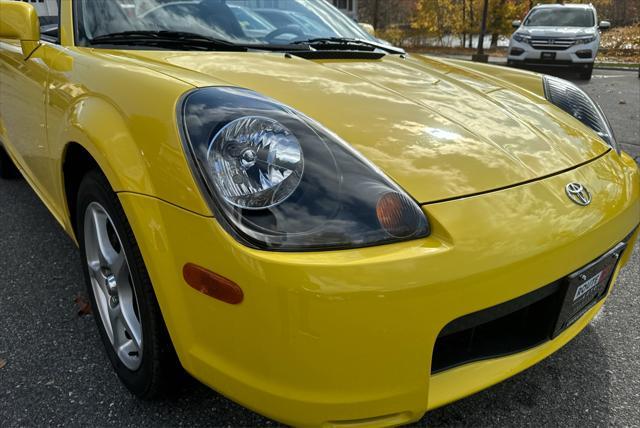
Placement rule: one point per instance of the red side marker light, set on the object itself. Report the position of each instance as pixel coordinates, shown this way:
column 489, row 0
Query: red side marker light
column 212, row 284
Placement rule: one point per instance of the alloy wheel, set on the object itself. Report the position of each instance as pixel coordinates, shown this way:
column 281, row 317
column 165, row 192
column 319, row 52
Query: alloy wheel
column 112, row 286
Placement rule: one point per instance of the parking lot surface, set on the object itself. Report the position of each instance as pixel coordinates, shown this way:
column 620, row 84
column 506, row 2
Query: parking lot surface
column 57, row 374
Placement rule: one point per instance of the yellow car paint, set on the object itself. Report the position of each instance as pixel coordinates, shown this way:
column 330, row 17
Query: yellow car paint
column 454, row 127
column 348, row 335
column 20, row 22
column 340, row 337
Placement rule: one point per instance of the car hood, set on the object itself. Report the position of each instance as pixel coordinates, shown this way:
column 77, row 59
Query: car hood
column 558, row 31
column 439, row 130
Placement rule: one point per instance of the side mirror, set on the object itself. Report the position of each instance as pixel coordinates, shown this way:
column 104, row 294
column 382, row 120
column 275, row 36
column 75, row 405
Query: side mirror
column 19, row 21
column 368, row 28
column 604, row 25
column 516, row 24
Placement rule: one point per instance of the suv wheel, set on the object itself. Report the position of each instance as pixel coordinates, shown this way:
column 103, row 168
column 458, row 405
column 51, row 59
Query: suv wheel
column 585, row 73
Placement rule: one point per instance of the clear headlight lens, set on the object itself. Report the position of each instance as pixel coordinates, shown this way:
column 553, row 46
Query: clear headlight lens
column 277, row 180
column 256, row 162
column 521, row 38
column 577, row 103
column 585, row 40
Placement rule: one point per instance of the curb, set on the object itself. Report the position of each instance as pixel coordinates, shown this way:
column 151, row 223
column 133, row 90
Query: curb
column 610, row 68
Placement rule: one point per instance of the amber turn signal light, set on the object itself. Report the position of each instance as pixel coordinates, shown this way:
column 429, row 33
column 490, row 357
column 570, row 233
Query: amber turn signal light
column 212, row 284
column 397, row 214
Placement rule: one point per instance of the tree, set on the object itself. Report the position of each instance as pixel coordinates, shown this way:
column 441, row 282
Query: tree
column 480, row 56
column 502, row 13
column 386, row 13
column 438, row 18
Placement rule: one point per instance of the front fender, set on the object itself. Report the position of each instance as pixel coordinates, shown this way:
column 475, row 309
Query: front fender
column 100, row 129
column 123, row 115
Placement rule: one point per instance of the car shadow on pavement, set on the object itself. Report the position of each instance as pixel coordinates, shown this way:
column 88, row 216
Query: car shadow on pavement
column 567, row 389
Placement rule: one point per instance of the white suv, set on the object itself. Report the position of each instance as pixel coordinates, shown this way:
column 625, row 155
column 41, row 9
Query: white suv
column 558, row 35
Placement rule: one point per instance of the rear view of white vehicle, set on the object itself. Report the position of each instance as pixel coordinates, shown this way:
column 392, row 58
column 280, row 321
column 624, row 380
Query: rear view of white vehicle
column 564, row 35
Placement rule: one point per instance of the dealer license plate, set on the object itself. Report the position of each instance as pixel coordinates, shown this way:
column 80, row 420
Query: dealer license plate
column 587, row 287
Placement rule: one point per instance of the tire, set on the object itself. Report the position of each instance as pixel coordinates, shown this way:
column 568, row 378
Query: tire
column 146, row 363
column 585, row 73
column 8, row 170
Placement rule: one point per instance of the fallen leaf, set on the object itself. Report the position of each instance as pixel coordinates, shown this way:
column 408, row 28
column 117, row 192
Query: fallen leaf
column 84, row 307
column 2, row 363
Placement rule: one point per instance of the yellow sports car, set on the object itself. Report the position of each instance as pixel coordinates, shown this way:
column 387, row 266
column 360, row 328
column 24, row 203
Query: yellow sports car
column 308, row 220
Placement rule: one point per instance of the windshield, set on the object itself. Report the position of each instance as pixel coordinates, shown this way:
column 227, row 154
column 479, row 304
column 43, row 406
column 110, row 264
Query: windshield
column 558, row 17
column 245, row 22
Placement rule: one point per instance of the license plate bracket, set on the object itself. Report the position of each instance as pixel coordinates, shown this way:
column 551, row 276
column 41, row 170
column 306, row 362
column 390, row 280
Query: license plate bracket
column 587, row 287
column 548, row 56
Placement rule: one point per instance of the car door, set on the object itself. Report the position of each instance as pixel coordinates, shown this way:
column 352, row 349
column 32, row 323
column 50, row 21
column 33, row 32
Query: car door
column 23, row 89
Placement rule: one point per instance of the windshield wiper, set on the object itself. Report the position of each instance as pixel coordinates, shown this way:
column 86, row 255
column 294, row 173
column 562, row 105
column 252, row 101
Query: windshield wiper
column 345, row 43
column 163, row 38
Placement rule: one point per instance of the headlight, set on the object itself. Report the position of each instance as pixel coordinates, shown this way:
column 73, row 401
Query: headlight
column 277, row 180
column 577, row 103
column 521, row 38
column 255, row 162
column 585, row 40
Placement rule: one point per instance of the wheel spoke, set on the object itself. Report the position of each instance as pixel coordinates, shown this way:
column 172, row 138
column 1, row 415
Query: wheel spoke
column 130, row 321
column 119, row 268
column 115, row 318
column 128, row 351
column 102, row 300
column 112, row 286
column 108, row 255
column 95, row 272
column 128, row 343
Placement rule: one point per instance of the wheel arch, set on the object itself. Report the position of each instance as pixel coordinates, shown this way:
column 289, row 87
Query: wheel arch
column 76, row 163
column 96, row 136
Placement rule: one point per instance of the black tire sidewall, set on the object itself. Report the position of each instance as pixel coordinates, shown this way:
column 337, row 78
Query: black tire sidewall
column 142, row 382
column 585, row 74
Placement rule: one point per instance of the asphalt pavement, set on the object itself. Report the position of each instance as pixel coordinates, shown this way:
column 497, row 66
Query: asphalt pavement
column 618, row 93
column 56, row 373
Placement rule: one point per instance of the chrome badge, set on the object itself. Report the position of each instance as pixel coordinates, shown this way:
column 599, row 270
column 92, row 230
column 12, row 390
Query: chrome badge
column 578, row 194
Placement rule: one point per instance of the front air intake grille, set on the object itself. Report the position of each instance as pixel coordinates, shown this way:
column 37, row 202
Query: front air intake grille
column 505, row 329
column 550, row 44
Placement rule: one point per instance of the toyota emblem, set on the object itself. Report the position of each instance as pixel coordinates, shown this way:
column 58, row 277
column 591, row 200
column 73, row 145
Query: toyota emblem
column 578, row 194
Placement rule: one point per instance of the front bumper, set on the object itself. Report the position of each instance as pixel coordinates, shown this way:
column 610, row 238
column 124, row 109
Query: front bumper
column 347, row 337
column 524, row 53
